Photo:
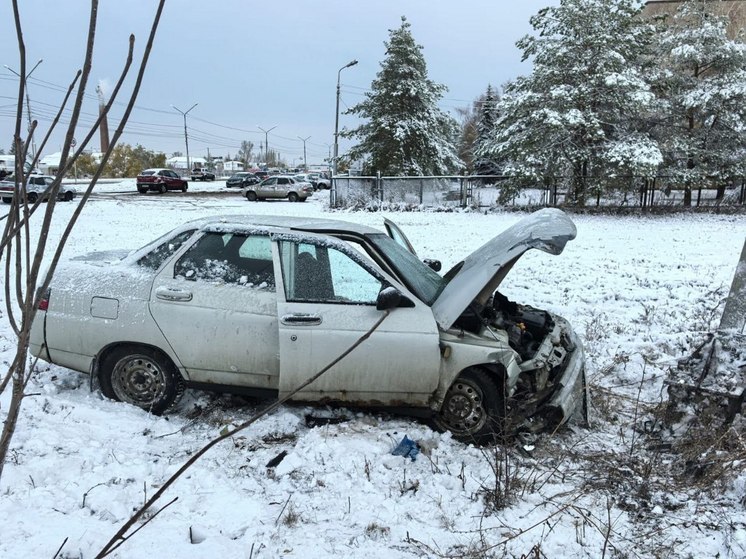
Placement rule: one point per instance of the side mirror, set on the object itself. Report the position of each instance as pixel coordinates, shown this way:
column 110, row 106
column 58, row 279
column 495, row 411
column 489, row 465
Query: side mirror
column 388, row 298
column 433, row 264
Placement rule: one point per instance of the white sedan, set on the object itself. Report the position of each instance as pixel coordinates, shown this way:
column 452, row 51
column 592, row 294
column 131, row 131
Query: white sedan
column 260, row 304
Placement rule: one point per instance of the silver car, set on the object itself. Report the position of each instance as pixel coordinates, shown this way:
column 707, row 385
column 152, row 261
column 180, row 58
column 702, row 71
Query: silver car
column 36, row 188
column 278, row 187
column 260, row 304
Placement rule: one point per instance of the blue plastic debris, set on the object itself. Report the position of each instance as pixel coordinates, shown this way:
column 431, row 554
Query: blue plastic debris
column 407, row 448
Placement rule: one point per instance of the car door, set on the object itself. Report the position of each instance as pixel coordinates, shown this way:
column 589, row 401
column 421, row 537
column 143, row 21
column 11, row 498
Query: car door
column 326, row 302
column 215, row 302
column 267, row 188
column 284, row 185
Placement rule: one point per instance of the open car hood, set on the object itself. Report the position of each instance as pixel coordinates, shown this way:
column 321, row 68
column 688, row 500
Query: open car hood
column 478, row 276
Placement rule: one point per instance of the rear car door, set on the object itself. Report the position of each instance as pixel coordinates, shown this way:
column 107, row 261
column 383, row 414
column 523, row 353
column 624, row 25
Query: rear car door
column 216, row 305
column 327, row 301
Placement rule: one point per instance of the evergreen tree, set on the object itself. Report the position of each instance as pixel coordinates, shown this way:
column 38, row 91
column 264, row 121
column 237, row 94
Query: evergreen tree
column 701, row 80
column 485, row 126
column 405, row 133
column 572, row 116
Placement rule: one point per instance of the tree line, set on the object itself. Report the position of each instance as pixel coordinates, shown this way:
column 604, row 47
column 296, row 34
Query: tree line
column 612, row 94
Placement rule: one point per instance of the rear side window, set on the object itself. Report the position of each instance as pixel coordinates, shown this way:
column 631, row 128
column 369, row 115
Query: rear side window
column 229, row 258
column 155, row 258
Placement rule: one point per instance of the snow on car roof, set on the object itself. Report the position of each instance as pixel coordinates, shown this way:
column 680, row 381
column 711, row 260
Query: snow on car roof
column 230, row 222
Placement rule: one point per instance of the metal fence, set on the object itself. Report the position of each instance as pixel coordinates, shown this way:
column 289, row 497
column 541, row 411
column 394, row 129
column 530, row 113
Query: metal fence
column 485, row 191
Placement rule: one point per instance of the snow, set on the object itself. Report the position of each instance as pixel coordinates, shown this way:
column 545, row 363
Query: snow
column 639, row 291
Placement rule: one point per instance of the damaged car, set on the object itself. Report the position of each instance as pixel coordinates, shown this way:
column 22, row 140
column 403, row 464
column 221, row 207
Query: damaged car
column 260, row 304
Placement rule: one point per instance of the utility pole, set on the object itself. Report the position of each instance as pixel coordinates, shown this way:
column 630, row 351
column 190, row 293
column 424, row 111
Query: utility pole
column 336, row 120
column 186, row 136
column 305, row 162
column 266, row 142
column 28, row 103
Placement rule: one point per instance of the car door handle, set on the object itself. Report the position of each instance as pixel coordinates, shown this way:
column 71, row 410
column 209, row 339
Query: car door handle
column 301, row 319
column 170, row 294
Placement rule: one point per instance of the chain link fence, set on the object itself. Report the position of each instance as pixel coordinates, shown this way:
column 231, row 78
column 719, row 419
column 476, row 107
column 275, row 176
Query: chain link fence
column 484, row 191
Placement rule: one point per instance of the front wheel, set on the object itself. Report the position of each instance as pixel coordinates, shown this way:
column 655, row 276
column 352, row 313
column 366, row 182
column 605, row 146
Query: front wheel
column 184, row 188
column 473, row 409
column 68, row 196
column 141, row 376
column 162, row 189
column 142, row 189
column 251, row 196
column 7, row 200
column 32, row 197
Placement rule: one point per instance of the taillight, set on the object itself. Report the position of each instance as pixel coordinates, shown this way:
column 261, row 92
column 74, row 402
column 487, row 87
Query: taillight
column 44, row 301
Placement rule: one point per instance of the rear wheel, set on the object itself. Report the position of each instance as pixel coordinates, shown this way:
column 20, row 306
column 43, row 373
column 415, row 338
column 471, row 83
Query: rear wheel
column 251, row 196
column 141, row 376
column 68, row 197
column 293, row 197
column 7, row 200
column 473, row 409
column 184, row 188
column 32, row 197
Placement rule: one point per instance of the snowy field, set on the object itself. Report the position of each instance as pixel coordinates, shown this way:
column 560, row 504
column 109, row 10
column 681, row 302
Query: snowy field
column 639, row 290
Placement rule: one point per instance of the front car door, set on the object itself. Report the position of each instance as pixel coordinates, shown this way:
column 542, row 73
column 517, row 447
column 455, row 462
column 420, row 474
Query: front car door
column 326, row 302
column 215, row 303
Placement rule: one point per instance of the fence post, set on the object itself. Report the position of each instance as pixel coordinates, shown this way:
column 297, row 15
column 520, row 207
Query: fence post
column 422, row 187
column 379, row 185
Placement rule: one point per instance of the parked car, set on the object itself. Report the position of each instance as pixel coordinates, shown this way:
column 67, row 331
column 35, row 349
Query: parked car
column 277, row 188
column 259, row 304
column 35, row 188
column 202, row 175
column 262, row 174
column 320, row 181
column 241, row 179
column 160, row 180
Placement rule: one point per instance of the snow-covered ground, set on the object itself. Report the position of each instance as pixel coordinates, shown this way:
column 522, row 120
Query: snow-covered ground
column 639, row 291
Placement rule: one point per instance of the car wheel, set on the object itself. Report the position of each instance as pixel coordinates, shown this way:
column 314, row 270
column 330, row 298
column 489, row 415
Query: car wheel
column 141, row 376
column 32, row 197
column 473, row 409
column 303, row 199
column 293, row 197
column 7, row 200
column 184, row 188
column 68, row 197
column 162, row 189
column 142, row 190
column 251, row 196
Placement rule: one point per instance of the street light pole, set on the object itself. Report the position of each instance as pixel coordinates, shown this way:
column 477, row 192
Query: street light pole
column 186, row 136
column 305, row 162
column 28, row 102
column 266, row 142
column 336, row 120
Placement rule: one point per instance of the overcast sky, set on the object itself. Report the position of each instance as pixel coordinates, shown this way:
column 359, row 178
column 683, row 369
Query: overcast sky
column 254, row 64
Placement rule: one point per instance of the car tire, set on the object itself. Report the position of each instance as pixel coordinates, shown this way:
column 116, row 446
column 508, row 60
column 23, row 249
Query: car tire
column 184, row 188
column 7, row 200
column 293, row 197
column 141, row 376
column 142, row 190
column 162, row 189
column 31, row 197
column 68, row 197
column 303, row 199
column 251, row 196
column 473, row 409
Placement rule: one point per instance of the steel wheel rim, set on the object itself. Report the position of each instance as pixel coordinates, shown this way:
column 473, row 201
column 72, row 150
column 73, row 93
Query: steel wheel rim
column 138, row 380
column 463, row 410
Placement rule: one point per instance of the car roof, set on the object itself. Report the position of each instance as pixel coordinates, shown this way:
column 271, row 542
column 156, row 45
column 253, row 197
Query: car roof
column 229, row 223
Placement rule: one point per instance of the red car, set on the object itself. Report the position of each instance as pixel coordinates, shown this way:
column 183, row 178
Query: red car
column 160, row 180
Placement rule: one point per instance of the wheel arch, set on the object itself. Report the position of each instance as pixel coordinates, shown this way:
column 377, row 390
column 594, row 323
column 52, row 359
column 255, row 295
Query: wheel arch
column 116, row 346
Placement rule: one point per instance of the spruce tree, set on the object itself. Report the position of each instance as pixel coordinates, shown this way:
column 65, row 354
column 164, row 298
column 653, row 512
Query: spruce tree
column 572, row 117
column 486, row 121
column 405, row 132
column 701, row 80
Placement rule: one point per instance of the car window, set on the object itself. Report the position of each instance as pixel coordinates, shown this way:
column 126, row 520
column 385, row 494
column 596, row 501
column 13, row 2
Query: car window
column 315, row 273
column 146, row 173
column 229, row 258
column 172, row 175
column 155, row 258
